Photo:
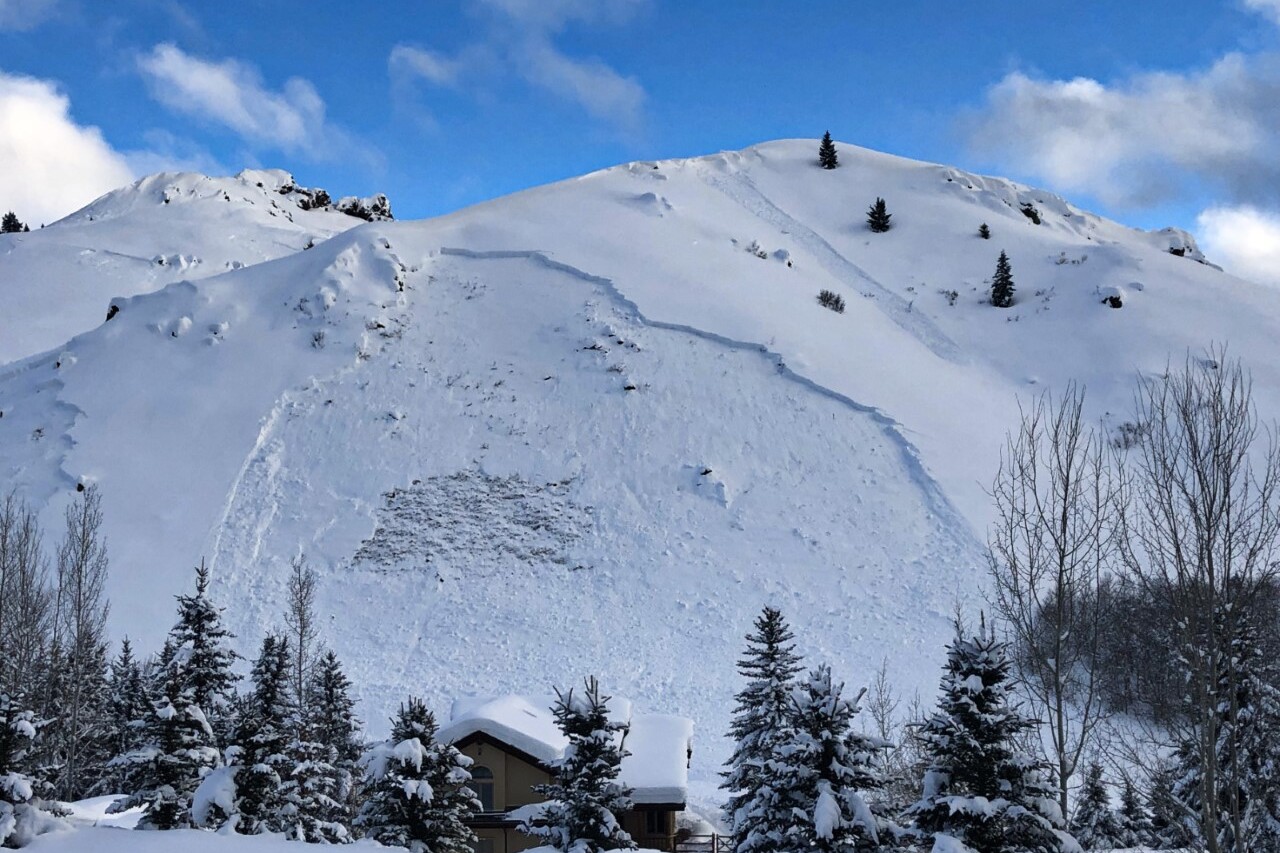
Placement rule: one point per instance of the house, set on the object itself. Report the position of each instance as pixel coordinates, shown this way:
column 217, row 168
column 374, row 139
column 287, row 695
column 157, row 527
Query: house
column 514, row 743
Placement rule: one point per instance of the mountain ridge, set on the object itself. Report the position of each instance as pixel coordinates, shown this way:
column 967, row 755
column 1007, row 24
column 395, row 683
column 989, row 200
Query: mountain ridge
column 594, row 426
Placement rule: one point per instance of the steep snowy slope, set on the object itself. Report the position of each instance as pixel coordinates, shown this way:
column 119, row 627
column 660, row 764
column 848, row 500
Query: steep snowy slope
column 593, row 427
column 168, row 227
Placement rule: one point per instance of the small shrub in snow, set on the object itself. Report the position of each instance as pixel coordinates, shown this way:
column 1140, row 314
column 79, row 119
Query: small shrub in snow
column 832, row 300
column 1002, row 283
column 878, row 217
column 827, row 157
column 1129, row 435
column 950, row 295
column 984, row 232
column 586, row 800
column 755, row 249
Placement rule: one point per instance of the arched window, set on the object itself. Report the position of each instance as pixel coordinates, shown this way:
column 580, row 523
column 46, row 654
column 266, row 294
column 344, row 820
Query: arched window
column 482, row 784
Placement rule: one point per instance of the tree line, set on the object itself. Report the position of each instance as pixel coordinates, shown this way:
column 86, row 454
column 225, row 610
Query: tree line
column 190, row 750
column 1136, row 575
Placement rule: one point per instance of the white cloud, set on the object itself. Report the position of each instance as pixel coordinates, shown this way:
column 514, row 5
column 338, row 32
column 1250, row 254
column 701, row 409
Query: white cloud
column 1269, row 8
column 1244, row 240
column 554, row 14
column 21, row 15
column 232, row 94
column 1142, row 139
column 597, row 88
column 53, row 166
column 522, row 43
column 415, row 62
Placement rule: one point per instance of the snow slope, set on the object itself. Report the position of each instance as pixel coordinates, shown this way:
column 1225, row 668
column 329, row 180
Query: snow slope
column 59, row 280
column 595, row 426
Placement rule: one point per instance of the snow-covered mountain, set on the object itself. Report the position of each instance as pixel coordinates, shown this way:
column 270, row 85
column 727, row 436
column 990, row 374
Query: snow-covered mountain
column 595, row 426
column 165, row 228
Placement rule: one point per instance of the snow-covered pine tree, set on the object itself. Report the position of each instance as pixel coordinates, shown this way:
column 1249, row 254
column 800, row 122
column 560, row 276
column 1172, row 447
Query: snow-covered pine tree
column 1247, row 753
column 585, row 798
column 1172, row 826
column 827, row 157
column 312, row 809
column 1002, row 283
column 979, row 791
column 11, row 224
column 822, row 770
column 333, row 723
column 1135, row 823
column 20, row 817
column 202, row 648
column 1095, row 824
column 178, row 746
column 417, row 794
column 127, row 698
column 878, row 217
column 177, row 751
column 262, row 740
column 762, row 719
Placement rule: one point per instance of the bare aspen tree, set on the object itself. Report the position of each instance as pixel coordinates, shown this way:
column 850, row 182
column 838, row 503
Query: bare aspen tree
column 26, row 598
column 82, row 620
column 1202, row 535
column 300, row 617
column 1050, row 549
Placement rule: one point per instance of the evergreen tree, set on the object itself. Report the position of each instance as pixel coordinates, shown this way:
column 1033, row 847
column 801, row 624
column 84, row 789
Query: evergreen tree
column 1171, row 824
column 878, row 217
column 979, row 791
column 762, row 720
column 11, row 224
column 178, row 749
column 178, row 744
column 126, row 712
column 262, row 742
column 827, row 157
column 1247, row 751
column 20, row 818
column 1095, row 824
column 585, row 798
column 202, row 646
column 1002, row 283
column 127, row 704
column 417, row 788
column 984, row 232
column 334, row 725
column 312, row 806
column 823, row 769
column 1135, row 823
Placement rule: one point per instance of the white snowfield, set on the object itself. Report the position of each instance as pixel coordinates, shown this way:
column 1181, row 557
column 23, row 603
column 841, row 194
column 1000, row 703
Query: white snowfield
column 657, row 746
column 594, row 427
column 58, row 281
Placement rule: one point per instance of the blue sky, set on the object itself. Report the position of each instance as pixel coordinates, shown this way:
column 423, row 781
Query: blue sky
column 1155, row 114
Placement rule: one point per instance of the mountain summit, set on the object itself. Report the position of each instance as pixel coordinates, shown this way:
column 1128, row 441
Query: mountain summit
column 588, row 428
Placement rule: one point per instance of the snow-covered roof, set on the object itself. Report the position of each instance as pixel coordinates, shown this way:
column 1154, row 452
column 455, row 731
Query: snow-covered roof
column 656, row 768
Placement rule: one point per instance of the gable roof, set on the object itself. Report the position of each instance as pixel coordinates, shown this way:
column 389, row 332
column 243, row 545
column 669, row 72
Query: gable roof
column 656, row 768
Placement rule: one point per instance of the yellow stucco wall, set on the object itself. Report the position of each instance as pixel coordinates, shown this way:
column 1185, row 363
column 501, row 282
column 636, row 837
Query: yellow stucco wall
column 513, row 778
